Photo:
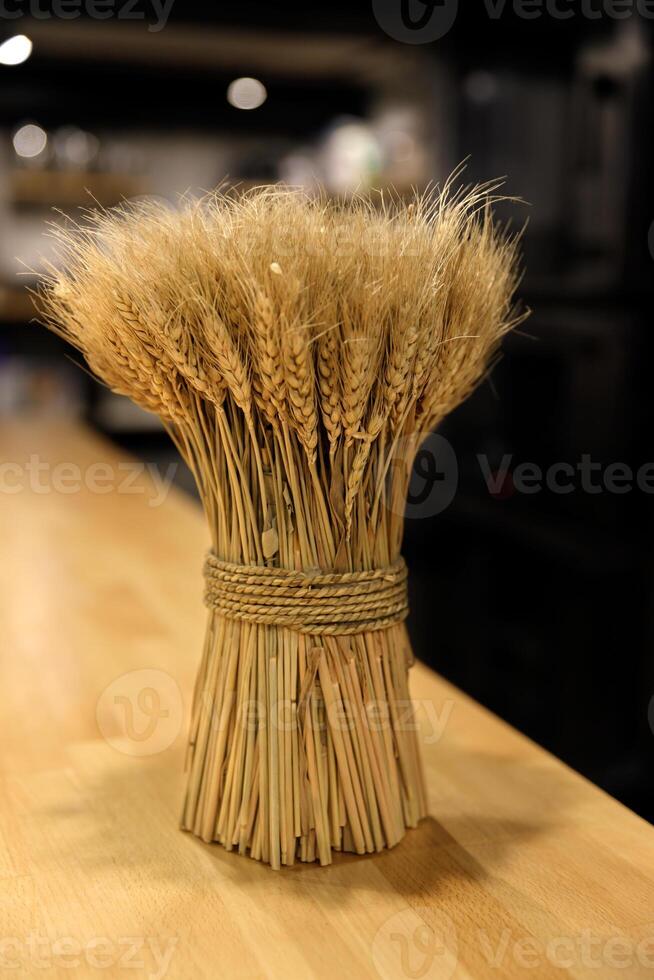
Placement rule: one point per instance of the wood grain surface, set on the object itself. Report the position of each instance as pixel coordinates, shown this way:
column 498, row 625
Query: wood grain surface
column 522, row 869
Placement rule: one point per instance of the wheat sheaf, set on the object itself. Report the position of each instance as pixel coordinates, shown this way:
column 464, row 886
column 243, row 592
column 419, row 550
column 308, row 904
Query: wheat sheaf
column 297, row 350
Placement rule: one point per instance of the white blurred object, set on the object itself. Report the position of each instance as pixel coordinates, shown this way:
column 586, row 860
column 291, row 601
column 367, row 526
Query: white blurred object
column 38, row 388
column 117, row 156
column 398, row 129
column 246, row 93
column 299, row 170
column 75, row 147
column 15, row 50
column 351, row 157
column 119, row 414
column 30, row 140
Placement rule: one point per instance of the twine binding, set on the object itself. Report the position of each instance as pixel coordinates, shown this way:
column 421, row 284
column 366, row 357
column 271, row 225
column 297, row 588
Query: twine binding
column 310, row 601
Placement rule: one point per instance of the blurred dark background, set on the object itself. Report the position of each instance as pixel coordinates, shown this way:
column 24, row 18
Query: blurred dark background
column 540, row 603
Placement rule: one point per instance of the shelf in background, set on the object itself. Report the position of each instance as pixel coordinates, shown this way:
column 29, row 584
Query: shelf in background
column 16, row 304
column 71, row 188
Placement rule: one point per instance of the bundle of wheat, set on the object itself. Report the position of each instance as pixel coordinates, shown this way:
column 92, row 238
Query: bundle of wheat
column 297, row 350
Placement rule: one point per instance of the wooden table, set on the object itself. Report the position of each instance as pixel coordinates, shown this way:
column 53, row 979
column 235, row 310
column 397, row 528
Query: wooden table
column 523, row 867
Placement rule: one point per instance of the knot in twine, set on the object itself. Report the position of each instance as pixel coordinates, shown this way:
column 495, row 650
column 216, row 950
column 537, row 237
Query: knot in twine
column 309, row 601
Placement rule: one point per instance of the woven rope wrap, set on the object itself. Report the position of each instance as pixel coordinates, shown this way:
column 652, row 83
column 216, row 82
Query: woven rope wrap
column 313, row 602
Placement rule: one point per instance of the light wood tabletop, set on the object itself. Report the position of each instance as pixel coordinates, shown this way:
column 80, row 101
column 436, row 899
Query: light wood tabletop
column 522, row 869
